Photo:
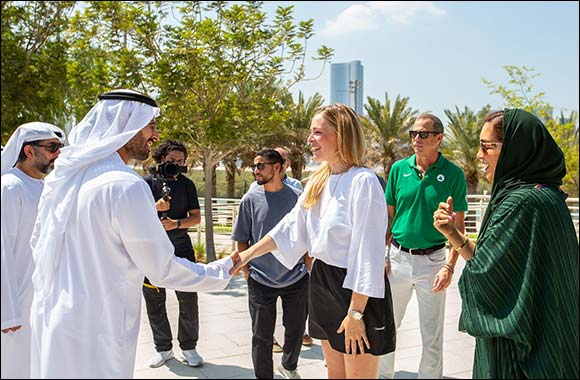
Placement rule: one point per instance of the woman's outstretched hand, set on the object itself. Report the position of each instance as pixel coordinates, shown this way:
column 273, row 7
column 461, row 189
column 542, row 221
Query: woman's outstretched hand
column 239, row 260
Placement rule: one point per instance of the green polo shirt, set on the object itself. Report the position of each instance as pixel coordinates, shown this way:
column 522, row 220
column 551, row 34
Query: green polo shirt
column 415, row 199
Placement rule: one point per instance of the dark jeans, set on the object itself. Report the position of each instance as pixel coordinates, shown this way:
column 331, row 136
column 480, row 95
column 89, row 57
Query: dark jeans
column 188, row 331
column 262, row 301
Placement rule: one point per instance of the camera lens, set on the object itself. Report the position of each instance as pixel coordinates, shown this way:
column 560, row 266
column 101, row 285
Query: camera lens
column 170, row 169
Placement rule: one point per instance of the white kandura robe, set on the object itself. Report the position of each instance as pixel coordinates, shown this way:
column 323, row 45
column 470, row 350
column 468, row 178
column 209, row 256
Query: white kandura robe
column 88, row 323
column 20, row 196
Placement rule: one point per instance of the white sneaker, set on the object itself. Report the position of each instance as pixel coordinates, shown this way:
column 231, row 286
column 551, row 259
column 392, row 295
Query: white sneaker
column 191, row 358
column 276, row 347
column 286, row 374
column 159, row 358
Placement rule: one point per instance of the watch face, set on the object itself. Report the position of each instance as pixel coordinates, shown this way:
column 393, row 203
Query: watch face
column 356, row 315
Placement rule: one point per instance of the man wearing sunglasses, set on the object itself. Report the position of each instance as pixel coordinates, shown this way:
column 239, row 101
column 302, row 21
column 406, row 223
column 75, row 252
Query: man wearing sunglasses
column 417, row 259
column 287, row 180
column 261, row 208
column 29, row 155
column 306, row 340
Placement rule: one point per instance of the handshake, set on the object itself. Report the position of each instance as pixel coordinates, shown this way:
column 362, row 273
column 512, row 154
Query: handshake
column 239, row 260
column 237, row 263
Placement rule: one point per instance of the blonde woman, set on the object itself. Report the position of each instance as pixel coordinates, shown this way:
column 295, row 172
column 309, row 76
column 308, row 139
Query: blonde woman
column 340, row 219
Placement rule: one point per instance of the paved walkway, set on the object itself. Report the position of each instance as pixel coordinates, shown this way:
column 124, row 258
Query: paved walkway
column 225, row 340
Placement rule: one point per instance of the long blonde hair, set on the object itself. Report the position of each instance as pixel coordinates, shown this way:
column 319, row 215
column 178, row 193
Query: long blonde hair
column 351, row 148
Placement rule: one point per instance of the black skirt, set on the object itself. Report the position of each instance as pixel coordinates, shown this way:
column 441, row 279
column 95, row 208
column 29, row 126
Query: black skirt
column 329, row 303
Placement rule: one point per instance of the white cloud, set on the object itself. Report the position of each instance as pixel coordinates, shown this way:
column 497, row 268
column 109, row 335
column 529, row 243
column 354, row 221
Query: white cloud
column 403, row 11
column 367, row 16
column 354, row 18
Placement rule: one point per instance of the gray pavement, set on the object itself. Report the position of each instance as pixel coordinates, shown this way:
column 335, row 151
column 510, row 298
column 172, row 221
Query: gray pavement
column 225, row 340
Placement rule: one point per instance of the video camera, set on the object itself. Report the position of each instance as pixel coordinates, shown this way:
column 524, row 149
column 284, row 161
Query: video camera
column 167, row 169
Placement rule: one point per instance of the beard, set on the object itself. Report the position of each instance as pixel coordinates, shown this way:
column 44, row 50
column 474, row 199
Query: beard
column 137, row 148
column 263, row 180
column 45, row 167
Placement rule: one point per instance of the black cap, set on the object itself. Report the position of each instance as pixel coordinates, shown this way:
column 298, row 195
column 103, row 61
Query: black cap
column 128, row 95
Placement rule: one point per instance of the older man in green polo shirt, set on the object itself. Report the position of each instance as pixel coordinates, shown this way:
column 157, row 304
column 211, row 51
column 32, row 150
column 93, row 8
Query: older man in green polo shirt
column 417, row 259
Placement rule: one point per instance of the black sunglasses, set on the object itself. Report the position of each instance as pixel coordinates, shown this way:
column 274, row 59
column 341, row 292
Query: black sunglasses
column 52, row 147
column 261, row 165
column 422, row 134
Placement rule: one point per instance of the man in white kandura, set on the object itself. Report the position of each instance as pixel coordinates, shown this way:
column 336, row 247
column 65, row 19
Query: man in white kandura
column 28, row 157
column 97, row 235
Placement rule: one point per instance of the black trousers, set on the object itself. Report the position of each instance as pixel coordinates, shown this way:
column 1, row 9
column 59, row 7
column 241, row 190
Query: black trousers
column 188, row 330
column 262, row 301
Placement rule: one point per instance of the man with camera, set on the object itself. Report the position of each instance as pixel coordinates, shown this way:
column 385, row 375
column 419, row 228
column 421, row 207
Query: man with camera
column 178, row 208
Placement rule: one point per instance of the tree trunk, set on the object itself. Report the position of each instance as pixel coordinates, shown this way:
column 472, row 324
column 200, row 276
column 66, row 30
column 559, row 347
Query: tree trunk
column 230, row 165
column 472, row 183
column 297, row 163
column 214, row 181
column 387, row 165
column 296, row 170
column 208, row 169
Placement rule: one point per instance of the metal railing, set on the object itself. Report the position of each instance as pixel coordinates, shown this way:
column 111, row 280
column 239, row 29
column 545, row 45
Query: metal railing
column 225, row 212
column 477, row 204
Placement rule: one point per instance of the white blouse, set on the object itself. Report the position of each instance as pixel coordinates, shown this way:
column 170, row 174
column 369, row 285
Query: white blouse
column 345, row 229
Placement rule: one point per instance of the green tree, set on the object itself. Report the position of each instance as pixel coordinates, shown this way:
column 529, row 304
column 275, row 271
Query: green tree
column 566, row 130
column 103, row 54
column 387, row 128
column 519, row 93
column 461, row 143
column 213, row 67
column 34, row 59
column 216, row 73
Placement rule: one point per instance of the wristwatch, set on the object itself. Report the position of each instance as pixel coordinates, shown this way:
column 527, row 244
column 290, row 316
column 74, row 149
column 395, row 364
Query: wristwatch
column 178, row 221
column 356, row 315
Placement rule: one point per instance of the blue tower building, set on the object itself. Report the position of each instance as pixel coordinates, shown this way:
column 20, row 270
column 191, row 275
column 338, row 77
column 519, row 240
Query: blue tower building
column 347, row 84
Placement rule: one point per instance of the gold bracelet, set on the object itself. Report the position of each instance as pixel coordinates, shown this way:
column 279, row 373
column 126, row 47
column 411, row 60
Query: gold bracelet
column 462, row 244
column 449, row 267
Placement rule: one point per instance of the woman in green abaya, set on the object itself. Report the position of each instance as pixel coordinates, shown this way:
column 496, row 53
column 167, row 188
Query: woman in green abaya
column 519, row 288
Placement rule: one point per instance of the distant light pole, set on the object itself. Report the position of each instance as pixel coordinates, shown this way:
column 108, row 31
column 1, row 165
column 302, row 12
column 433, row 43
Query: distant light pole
column 353, row 86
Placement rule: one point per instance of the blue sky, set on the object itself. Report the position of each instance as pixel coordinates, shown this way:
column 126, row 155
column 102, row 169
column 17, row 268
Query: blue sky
column 436, row 53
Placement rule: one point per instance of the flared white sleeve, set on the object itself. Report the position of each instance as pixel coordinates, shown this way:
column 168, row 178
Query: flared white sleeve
column 11, row 311
column 365, row 269
column 152, row 252
column 291, row 236
column 11, row 308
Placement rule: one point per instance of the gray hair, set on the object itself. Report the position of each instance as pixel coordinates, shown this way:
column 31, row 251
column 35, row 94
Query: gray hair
column 437, row 124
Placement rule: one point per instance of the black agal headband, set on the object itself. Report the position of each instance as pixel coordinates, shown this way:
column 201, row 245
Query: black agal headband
column 126, row 95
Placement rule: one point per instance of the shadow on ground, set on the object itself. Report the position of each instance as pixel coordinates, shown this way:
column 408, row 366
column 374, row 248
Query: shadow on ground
column 208, row 370
column 413, row 375
column 237, row 287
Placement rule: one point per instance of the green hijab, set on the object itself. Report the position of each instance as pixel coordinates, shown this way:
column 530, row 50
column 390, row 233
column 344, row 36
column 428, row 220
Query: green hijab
column 529, row 157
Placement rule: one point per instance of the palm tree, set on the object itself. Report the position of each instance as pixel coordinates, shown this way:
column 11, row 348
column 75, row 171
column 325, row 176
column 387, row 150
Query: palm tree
column 461, row 144
column 387, row 128
column 296, row 129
